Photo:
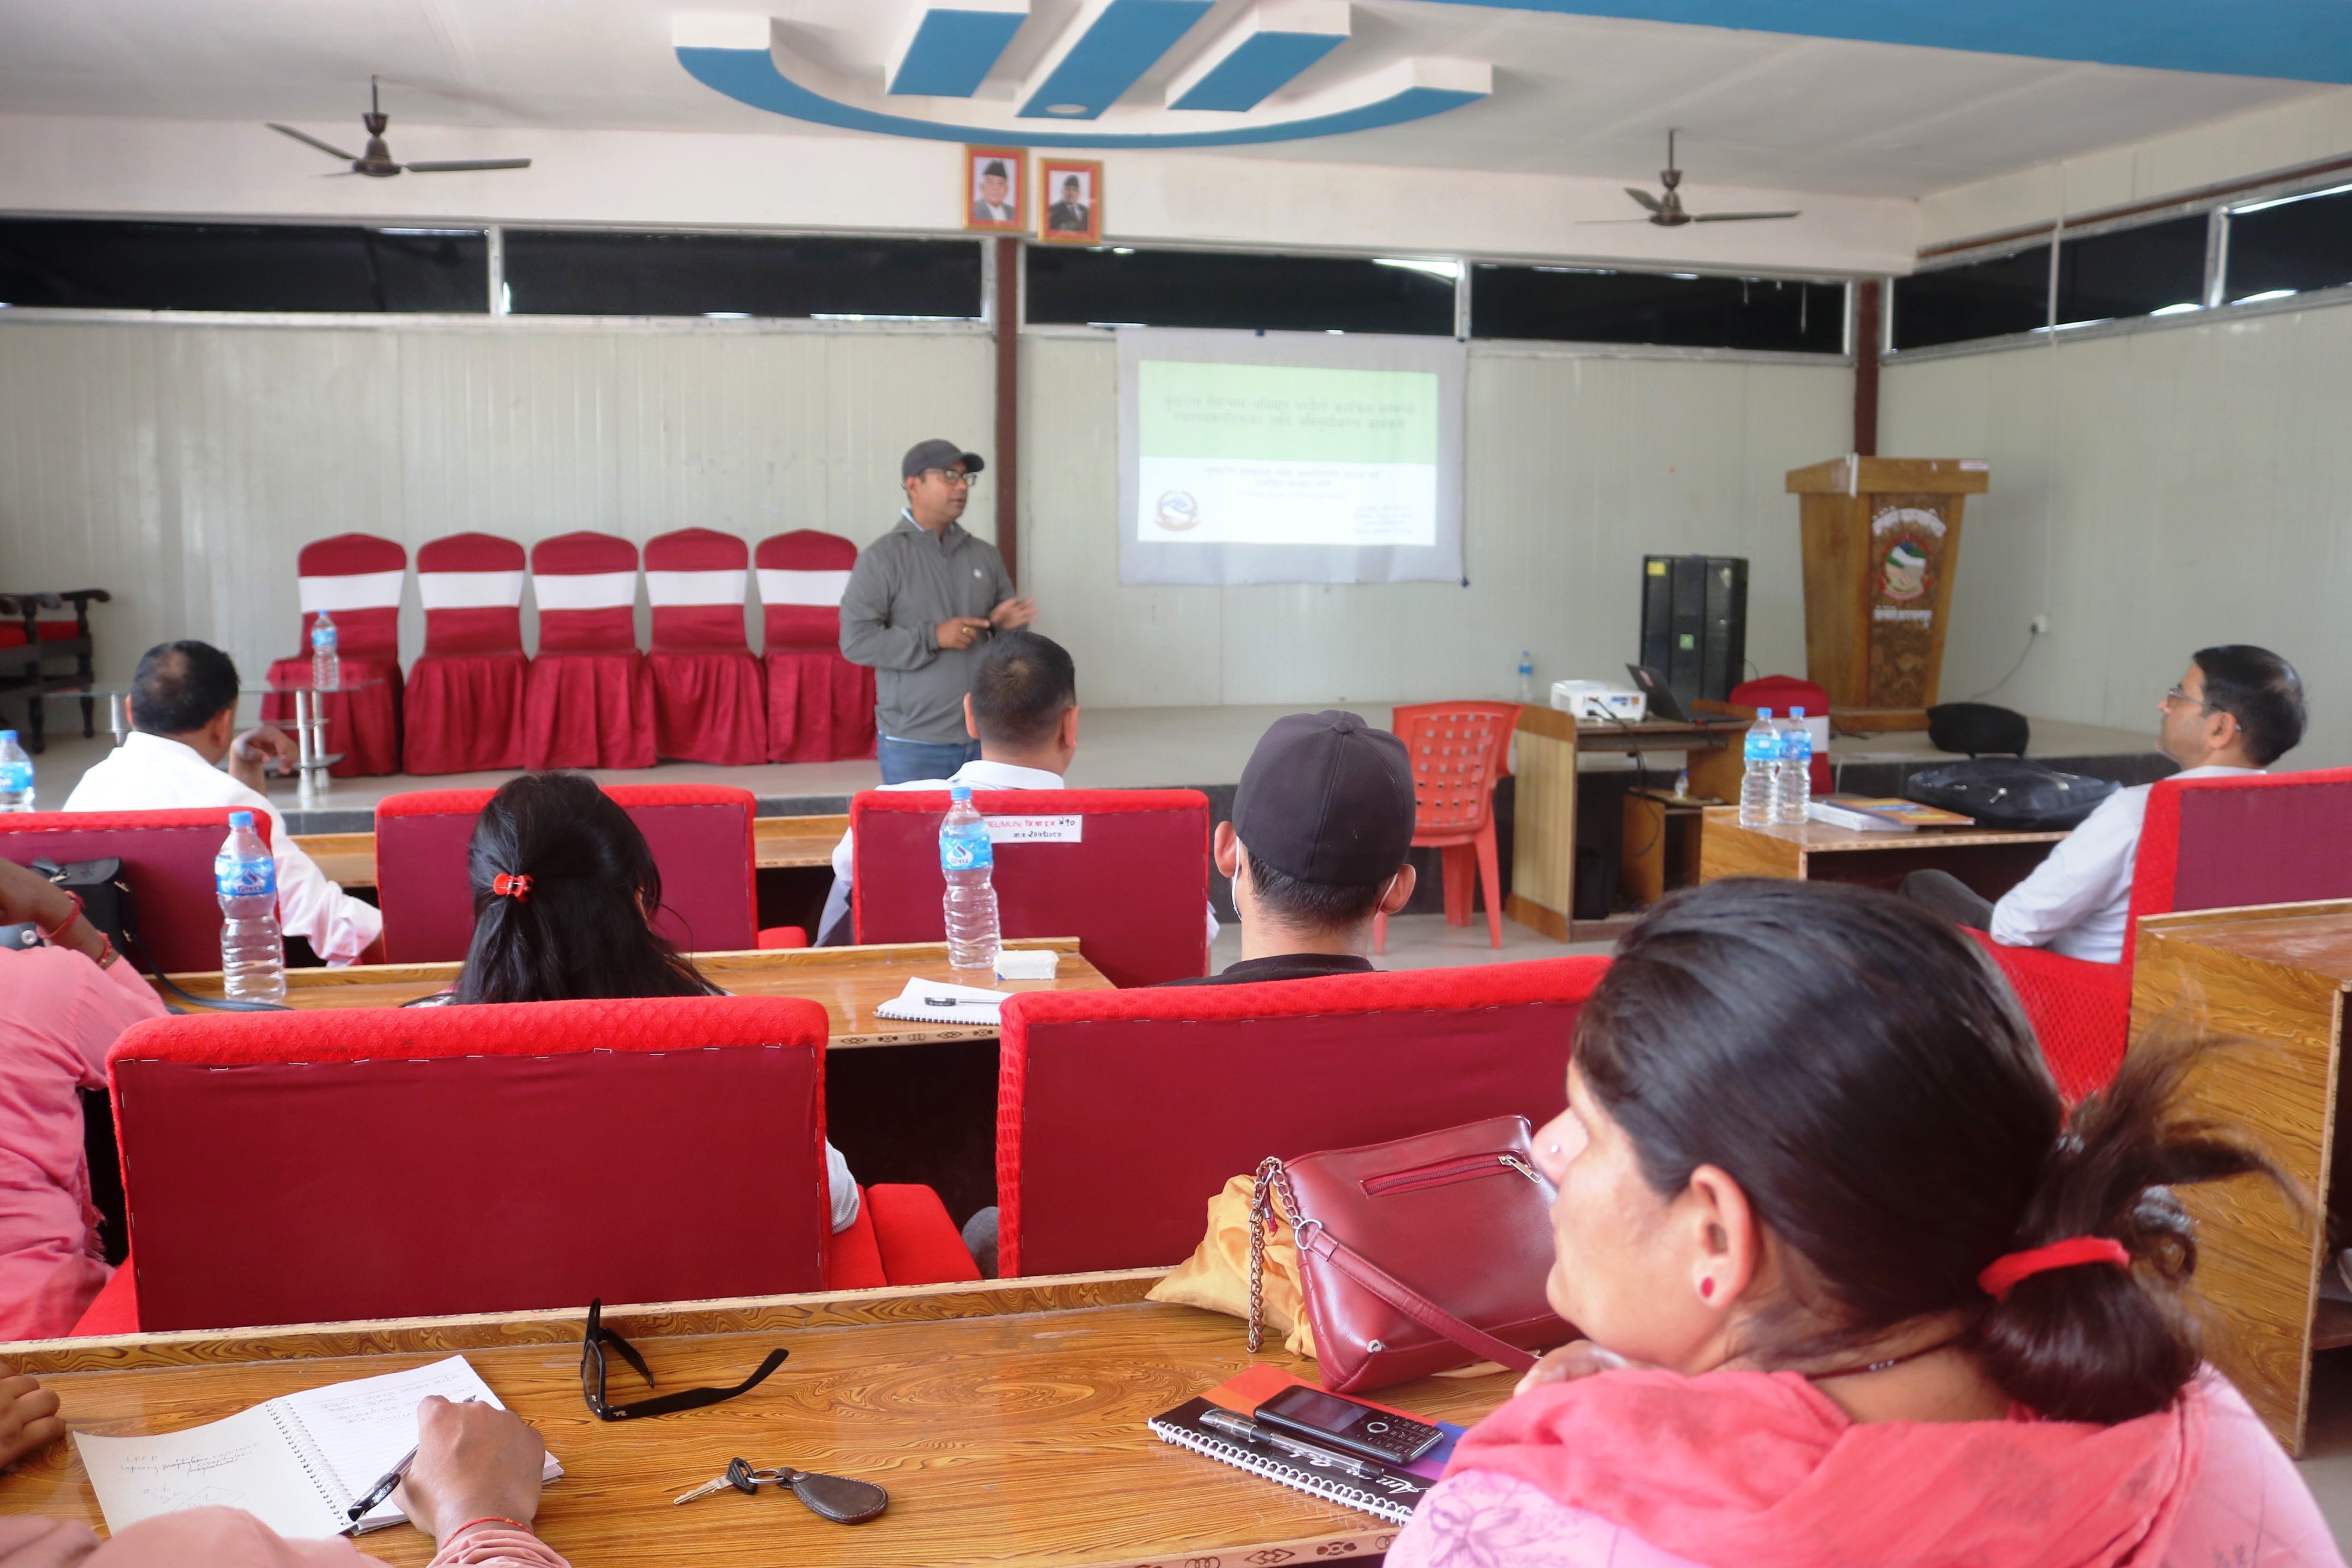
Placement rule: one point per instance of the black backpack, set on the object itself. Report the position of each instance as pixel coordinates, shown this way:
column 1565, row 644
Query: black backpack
column 2009, row 793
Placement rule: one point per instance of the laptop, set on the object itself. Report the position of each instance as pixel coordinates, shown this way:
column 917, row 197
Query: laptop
column 1653, row 685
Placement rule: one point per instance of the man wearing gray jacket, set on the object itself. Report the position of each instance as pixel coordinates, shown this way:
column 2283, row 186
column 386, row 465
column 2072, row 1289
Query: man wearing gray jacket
column 922, row 602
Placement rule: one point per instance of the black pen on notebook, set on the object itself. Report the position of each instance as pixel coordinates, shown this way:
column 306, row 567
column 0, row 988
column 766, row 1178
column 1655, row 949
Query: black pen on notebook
column 1249, row 1431
column 386, row 1485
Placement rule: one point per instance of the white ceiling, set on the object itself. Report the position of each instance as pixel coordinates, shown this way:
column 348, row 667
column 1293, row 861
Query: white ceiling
column 1573, row 95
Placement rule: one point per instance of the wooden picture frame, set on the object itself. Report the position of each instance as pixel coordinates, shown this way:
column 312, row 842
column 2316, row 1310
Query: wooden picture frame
column 1053, row 176
column 1013, row 167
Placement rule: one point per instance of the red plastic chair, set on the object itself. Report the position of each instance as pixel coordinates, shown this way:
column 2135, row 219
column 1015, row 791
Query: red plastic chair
column 709, row 702
column 1132, row 887
column 357, row 578
column 1781, row 693
column 2205, row 844
column 700, row 835
column 589, row 702
column 1459, row 750
column 167, row 858
column 819, row 706
column 465, row 695
column 1387, row 1056
column 381, row 1162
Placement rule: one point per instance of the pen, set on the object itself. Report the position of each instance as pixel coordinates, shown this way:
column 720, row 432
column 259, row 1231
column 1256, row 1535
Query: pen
column 1249, row 1431
column 386, row 1484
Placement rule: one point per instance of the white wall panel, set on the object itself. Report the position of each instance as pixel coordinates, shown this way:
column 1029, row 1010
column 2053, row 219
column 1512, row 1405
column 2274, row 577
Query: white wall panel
column 2154, row 493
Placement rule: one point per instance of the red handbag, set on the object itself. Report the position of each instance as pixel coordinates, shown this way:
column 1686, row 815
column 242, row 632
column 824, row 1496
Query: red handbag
column 1459, row 1217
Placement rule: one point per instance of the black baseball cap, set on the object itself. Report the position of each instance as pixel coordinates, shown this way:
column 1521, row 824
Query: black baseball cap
column 1328, row 798
column 937, row 454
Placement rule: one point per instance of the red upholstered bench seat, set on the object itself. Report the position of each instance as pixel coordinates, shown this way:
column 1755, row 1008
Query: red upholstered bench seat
column 12, row 633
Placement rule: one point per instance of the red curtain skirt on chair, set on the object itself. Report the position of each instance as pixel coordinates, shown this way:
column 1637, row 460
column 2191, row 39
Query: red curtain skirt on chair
column 709, row 708
column 588, row 711
column 820, row 707
column 362, row 724
column 464, row 713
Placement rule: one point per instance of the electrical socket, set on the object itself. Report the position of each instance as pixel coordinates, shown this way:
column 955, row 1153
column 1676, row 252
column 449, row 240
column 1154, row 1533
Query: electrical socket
column 2041, row 626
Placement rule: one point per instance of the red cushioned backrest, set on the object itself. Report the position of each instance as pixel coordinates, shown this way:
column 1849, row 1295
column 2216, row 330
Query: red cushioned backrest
column 1782, row 693
column 167, row 858
column 700, row 835
column 1120, row 1114
column 2256, row 839
column 802, row 577
column 1134, row 889
column 360, row 629
column 696, row 580
column 596, row 616
column 483, row 575
column 1458, row 751
column 376, row 1163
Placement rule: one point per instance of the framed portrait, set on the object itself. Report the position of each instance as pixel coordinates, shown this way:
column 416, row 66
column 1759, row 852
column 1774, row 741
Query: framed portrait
column 993, row 181
column 1069, row 201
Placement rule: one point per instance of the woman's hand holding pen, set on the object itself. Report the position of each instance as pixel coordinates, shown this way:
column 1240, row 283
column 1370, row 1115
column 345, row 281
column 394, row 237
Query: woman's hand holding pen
column 474, row 1461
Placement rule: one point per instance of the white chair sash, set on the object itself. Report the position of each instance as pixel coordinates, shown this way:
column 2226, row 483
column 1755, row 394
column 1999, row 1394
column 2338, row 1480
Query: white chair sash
column 360, row 591
column 673, row 588
column 585, row 589
column 469, row 590
column 825, row 589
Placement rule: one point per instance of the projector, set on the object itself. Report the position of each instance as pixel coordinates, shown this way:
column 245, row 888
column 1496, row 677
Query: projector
column 1600, row 699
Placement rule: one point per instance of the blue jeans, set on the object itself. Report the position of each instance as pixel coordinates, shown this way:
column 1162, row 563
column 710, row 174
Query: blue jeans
column 904, row 761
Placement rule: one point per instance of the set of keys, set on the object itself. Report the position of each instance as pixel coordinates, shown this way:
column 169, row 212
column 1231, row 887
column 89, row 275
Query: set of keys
column 836, row 1498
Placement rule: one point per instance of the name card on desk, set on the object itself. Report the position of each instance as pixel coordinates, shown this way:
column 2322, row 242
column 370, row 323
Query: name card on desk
column 1070, row 829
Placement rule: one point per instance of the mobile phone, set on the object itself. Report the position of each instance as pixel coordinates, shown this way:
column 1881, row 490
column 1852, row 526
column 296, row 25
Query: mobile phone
column 1347, row 1426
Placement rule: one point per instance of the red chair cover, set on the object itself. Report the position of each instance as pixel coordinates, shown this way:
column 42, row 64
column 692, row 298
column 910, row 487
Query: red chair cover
column 819, row 706
column 357, row 578
column 589, row 701
column 1121, row 1114
column 700, row 835
column 1781, row 693
column 465, row 696
column 167, row 858
column 1133, row 887
column 1459, row 750
column 710, row 698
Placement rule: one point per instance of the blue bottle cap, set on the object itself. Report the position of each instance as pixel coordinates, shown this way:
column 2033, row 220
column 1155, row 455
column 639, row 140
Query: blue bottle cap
column 960, row 792
column 1763, row 712
column 1796, row 712
column 240, row 819
column 7, row 734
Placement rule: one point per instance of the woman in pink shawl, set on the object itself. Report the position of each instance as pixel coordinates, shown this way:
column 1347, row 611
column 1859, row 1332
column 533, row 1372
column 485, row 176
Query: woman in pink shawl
column 1855, row 1290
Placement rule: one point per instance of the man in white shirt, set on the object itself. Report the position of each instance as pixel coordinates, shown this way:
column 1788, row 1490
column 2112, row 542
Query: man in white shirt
column 2237, row 711
column 183, row 717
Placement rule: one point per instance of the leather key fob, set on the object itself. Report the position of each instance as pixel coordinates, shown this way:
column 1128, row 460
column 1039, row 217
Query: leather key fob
column 840, row 1498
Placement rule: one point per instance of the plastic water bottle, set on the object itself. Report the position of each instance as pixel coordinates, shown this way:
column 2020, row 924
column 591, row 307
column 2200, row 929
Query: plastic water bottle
column 16, row 773
column 966, row 859
column 253, row 957
column 326, row 664
column 1758, row 785
column 1526, row 676
column 1794, row 787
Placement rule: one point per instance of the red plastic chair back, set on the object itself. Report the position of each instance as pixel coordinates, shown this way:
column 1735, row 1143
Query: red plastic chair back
column 1458, row 750
column 700, row 835
column 2257, row 839
column 695, row 580
column 167, row 859
column 1132, row 885
column 1121, row 1114
column 383, row 1163
column 471, row 587
column 803, row 576
column 357, row 578
column 586, row 585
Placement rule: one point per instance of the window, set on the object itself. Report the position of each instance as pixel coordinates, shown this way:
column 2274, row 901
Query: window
column 2296, row 244
column 1210, row 289
column 2132, row 271
column 1976, row 299
column 583, row 272
column 91, row 264
column 1589, row 305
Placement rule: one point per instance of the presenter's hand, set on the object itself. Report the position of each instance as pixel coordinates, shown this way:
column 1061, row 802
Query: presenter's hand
column 1013, row 615
column 28, row 1417
column 959, row 631
column 250, row 753
column 473, row 1461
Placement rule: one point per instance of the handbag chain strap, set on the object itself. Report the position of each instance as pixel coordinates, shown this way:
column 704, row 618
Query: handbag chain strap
column 1272, row 1178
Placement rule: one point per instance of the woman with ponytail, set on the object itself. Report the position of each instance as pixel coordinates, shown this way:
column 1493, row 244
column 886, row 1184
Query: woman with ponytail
column 1855, row 1290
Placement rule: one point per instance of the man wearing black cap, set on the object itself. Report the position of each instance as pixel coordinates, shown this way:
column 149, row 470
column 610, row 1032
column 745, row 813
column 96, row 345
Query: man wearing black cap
column 920, row 607
column 1322, row 823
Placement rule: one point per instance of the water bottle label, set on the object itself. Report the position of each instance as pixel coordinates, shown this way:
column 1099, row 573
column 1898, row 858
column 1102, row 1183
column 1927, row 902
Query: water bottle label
column 322, row 637
column 958, row 853
column 16, row 773
column 1762, row 749
column 240, row 879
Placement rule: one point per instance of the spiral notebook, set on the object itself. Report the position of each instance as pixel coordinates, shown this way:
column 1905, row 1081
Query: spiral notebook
column 1392, row 1497
column 297, row 1462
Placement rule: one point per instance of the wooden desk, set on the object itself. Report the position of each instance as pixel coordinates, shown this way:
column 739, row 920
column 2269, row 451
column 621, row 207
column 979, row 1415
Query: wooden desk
column 1543, row 827
column 1991, row 862
column 776, row 841
column 850, row 981
column 1006, row 1419
column 2277, row 977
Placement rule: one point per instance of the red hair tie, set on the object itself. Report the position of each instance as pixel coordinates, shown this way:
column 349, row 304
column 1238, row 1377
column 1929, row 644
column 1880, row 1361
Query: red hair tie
column 515, row 888
column 1997, row 1280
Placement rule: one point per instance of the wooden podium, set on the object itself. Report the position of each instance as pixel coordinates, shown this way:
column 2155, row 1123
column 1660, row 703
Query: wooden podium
column 1881, row 538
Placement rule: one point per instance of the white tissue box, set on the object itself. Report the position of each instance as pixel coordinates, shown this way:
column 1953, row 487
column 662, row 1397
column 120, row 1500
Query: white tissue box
column 1030, row 963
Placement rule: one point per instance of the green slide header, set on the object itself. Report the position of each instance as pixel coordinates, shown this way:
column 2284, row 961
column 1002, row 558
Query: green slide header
column 1190, row 408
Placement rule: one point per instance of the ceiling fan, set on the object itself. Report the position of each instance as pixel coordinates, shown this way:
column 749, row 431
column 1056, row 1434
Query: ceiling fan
column 377, row 163
column 1667, row 212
